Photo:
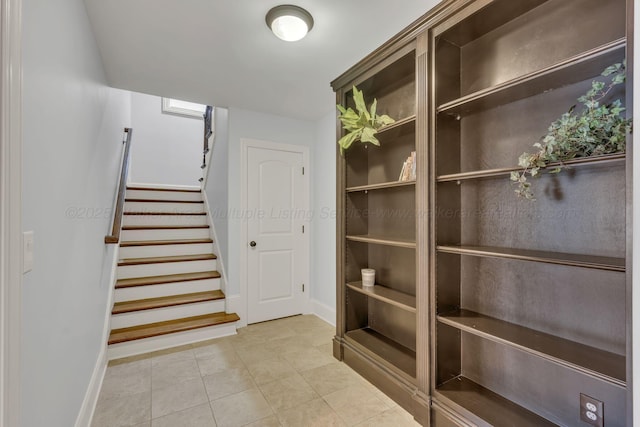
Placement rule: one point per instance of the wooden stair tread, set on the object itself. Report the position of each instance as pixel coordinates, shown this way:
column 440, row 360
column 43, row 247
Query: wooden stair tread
column 165, row 259
column 170, row 326
column 170, row 278
column 163, row 242
column 163, row 201
column 177, row 190
column 163, row 227
column 168, row 301
column 164, row 213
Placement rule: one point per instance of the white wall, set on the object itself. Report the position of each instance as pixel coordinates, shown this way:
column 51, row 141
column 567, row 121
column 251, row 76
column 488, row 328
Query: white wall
column 323, row 224
column 167, row 148
column 72, row 127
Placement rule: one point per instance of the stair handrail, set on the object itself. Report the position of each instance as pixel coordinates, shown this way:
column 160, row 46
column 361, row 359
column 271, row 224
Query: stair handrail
column 208, row 131
column 114, row 237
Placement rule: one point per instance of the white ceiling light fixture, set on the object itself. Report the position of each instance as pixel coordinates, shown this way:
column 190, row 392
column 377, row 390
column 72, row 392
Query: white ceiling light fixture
column 289, row 23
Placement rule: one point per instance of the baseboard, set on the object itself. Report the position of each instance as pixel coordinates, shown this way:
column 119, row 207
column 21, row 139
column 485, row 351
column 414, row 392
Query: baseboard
column 323, row 311
column 93, row 392
column 216, row 248
column 155, row 186
column 95, row 384
column 235, row 305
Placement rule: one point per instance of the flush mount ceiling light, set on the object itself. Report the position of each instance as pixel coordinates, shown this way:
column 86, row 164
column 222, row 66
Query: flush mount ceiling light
column 289, row 23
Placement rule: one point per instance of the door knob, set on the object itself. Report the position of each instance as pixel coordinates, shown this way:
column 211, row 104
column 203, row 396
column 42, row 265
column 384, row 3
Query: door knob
column 253, row 244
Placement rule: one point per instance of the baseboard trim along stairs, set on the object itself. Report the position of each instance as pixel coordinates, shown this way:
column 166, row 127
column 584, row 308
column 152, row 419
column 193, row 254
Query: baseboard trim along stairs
column 167, row 291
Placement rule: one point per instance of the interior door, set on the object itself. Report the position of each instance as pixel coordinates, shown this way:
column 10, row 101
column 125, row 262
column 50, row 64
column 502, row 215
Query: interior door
column 276, row 258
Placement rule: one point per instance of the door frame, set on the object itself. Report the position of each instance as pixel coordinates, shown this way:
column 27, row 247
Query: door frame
column 245, row 144
column 10, row 210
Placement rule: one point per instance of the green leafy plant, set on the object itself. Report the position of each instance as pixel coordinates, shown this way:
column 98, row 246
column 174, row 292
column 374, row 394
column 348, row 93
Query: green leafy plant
column 363, row 124
column 594, row 130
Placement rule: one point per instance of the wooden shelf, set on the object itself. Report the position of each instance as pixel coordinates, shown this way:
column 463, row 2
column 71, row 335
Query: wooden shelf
column 479, row 18
column 380, row 186
column 382, row 240
column 585, row 359
column 486, row 407
column 411, row 120
column 387, row 349
column 385, row 294
column 572, row 70
column 489, row 173
column 574, row 260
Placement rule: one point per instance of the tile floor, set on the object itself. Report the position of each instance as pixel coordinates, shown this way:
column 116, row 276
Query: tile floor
column 278, row 373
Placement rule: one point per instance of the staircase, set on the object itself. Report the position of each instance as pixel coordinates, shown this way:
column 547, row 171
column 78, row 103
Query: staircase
column 168, row 288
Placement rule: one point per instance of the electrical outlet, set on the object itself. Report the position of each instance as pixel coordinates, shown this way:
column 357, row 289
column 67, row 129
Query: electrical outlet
column 591, row 411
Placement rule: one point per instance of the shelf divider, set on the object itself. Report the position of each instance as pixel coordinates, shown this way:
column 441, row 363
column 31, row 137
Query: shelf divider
column 573, row 260
column 390, row 296
column 572, row 70
column 588, row 360
column 396, row 354
column 380, row 186
column 489, row 173
column 489, row 407
column 382, row 240
column 398, row 124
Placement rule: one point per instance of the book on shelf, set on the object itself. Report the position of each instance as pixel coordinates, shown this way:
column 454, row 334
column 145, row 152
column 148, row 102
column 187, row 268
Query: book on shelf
column 408, row 172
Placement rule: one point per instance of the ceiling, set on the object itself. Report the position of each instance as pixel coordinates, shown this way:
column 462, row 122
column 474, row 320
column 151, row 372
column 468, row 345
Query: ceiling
column 220, row 52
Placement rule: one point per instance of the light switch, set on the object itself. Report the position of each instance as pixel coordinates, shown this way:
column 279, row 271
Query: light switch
column 27, row 251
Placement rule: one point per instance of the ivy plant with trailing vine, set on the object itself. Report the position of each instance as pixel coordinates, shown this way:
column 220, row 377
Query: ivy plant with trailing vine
column 596, row 129
column 363, row 124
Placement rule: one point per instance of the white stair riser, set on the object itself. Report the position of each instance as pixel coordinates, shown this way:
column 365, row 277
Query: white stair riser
column 147, row 345
column 143, row 317
column 168, row 207
column 166, row 289
column 166, row 268
column 165, row 234
column 165, row 250
column 163, row 195
column 150, row 220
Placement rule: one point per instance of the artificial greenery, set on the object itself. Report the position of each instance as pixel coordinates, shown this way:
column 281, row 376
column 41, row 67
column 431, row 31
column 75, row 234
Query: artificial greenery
column 596, row 129
column 361, row 125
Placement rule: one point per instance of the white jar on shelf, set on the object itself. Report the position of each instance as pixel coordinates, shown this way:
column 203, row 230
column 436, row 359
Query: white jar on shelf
column 368, row 277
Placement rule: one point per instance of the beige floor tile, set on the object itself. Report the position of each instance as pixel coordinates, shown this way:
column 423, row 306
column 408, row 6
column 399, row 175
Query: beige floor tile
column 169, row 373
column 355, row 404
column 199, row 416
column 312, row 414
column 172, row 355
column 288, row 344
column 326, row 348
column 288, row 393
column 144, row 424
column 266, row 371
column 178, row 397
column 330, row 378
column 123, row 411
column 309, row 358
column 228, row 382
column 240, row 409
column 210, row 349
column 220, row 362
column 396, row 417
column 271, row 421
column 255, row 353
column 126, row 379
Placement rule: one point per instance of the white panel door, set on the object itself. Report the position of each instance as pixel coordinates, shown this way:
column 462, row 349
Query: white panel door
column 276, row 258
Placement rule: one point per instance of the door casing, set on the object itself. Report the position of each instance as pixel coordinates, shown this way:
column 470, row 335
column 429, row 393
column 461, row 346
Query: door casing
column 245, row 144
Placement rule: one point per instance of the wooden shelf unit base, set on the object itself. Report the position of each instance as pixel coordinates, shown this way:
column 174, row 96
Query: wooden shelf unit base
column 388, row 350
